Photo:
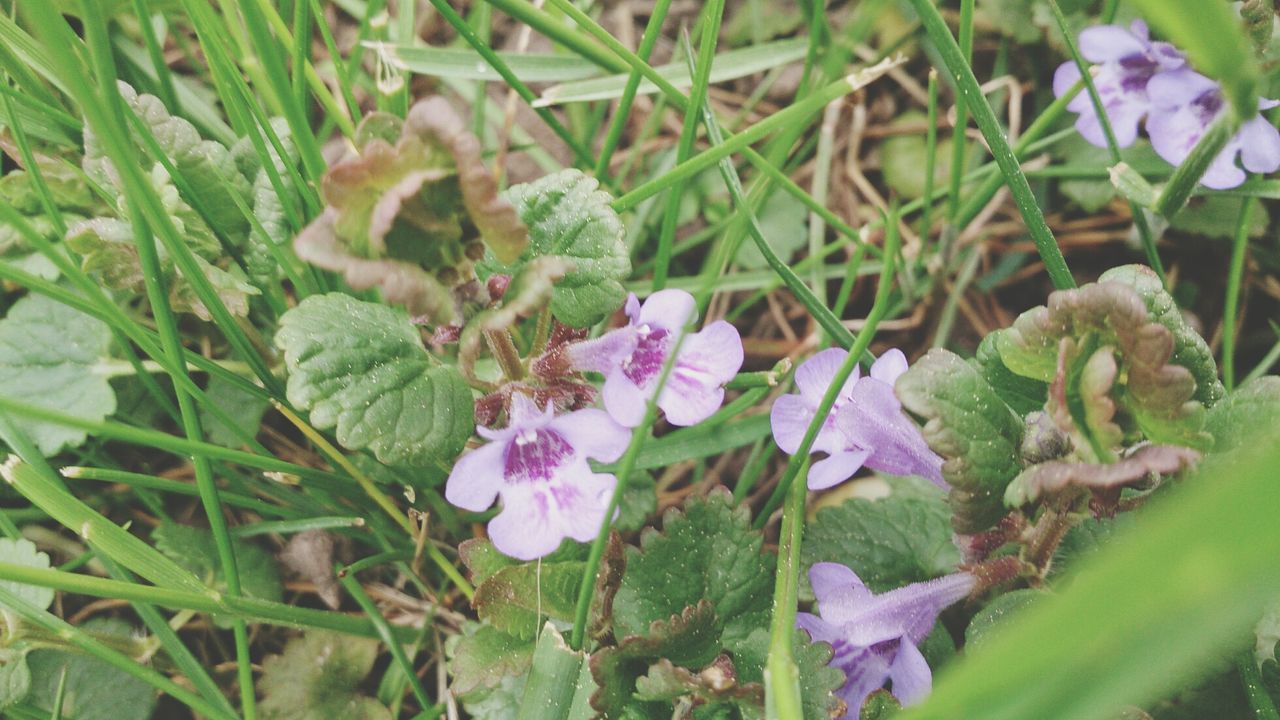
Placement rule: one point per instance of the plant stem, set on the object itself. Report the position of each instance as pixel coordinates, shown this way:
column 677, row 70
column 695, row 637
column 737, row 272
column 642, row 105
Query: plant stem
column 960, row 71
column 1138, row 212
column 1231, row 304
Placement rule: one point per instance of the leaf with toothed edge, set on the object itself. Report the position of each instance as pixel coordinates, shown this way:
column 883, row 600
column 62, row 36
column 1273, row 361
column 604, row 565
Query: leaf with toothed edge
column 361, row 368
column 967, row 423
column 569, row 217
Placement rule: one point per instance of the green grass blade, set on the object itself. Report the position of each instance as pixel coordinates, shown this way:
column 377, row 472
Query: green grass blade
column 729, row 65
column 713, row 13
column 960, row 71
column 1149, row 613
column 1113, row 148
column 460, row 64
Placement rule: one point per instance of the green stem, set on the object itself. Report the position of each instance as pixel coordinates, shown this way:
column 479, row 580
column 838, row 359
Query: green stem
column 463, row 29
column 1187, row 175
column 1231, row 304
column 702, row 161
column 860, row 345
column 388, row 638
column 1138, row 212
column 958, row 145
column 652, row 30
column 953, row 58
column 1264, row 708
column 782, row 677
column 203, row 600
column 701, row 74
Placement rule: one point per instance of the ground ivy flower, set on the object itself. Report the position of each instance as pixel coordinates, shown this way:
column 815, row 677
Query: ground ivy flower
column 1126, row 60
column 866, row 425
column 876, row 638
column 632, row 357
column 1185, row 104
column 538, row 465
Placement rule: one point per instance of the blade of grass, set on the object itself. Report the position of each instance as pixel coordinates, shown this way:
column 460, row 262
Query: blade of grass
column 164, row 78
column 1151, row 612
column 171, row 341
column 153, row 482
column 729, row 65
column 930, row 158
column 460, row 64
column 959, row 144
column 75, row 637
column 36, row 481
column 460, row 25
column 858, row 351
column 960, row 71
column 380, row 624
column 782, row 680
column 205, row 601
column 623, row 113
column 713, row 13
column 1113, row 148
column 1231, row 303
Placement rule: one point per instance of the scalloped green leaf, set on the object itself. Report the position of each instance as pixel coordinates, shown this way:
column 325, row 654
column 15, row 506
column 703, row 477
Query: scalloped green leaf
column 51, row 356
column 570, row 218
column 361, row 368
column 1255, row 404
column 95, row 690
column 194, row 549
column 518, row 598
column 317, row 677
column 1189, row 349
column 1023, row 394
column 483, row 655
column 689, row 638
column 706, row 551
column 889, row 542
column 206, row 165
column 24, row 552
column 975, row 432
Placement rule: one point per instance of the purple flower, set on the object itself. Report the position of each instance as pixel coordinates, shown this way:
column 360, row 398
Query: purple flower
column 538, row 464
column 1185, row 104
column 1126, row 61
column 876, row 637
column 866, row 425
column 632, row 357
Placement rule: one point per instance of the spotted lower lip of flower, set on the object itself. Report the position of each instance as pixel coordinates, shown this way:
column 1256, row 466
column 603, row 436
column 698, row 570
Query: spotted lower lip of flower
column 1186, row 104
column 632, row 357
column 1126, row 60
column 538, row 465
column 876, row 638
column 866, row 425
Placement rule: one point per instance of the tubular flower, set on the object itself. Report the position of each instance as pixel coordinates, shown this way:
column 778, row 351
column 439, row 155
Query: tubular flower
column 538, row 465
column 866, row 425
column 1186, row 103
column 632, row 357
column 877, row 637
column 1126, row 60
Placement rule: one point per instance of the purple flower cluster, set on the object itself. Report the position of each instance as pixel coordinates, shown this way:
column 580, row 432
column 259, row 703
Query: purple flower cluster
column 866, row 425
column 1139, row 79
column 538, row 463
column 876, row 638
